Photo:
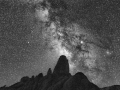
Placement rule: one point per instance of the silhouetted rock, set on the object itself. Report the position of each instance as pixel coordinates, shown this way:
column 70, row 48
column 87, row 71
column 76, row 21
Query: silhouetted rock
column 79, row 82
column 40, row 75
column 47, row 80
column 60, row 79
column 25, row 79
column 62, row 66
column 16, row 85
column 49, row 72
column 3, row 87
column 114, row 87
column 58, row 85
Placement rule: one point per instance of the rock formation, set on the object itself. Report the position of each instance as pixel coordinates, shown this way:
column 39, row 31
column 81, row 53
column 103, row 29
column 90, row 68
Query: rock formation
column 62, row 66
column 60, row 79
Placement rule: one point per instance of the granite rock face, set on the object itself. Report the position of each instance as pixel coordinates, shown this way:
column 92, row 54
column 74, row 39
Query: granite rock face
column 60, row 79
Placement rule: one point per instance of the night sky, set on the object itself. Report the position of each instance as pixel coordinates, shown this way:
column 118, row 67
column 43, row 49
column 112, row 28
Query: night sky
column 33, row 35
column 21, row 49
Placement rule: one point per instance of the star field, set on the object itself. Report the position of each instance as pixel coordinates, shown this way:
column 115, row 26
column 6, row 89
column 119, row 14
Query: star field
column 18, row 58
column 94, row 21
column 32, row 38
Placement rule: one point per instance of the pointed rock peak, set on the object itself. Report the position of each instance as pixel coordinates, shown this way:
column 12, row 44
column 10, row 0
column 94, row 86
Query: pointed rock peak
column 40, row 75
column 49, row 72
column 25, row 79
column 79, row 80
column 32, row 77
column 62, row 66
column 80, row 75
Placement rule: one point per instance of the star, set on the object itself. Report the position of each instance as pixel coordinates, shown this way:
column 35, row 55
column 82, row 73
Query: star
column 108, row 52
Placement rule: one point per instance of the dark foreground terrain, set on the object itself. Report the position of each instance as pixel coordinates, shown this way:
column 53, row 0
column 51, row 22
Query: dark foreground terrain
column 59, row 79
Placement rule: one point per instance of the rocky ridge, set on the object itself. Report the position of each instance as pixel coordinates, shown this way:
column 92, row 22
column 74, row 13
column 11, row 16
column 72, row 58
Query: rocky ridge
column 59, row 79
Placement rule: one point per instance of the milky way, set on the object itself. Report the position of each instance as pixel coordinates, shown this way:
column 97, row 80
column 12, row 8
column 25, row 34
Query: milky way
column 73, row 43
column 34, row 34
column 86, row 50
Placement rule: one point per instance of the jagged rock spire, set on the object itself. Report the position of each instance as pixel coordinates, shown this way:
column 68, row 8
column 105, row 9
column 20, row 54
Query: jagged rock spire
column 62, row 66
column 49, row 72
column 40, row 75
